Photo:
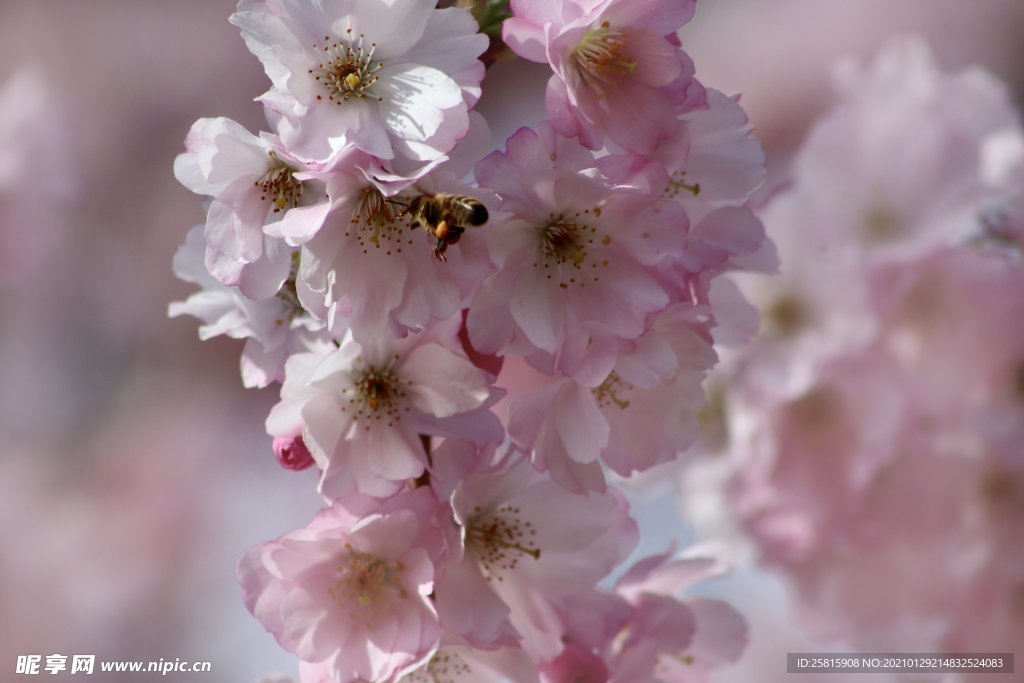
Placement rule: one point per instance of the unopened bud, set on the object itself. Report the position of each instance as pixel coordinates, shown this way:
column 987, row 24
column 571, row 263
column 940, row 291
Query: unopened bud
column 292, row 453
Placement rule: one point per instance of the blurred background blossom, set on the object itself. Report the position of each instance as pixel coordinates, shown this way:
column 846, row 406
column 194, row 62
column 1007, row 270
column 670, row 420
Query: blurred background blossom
column 135, row 467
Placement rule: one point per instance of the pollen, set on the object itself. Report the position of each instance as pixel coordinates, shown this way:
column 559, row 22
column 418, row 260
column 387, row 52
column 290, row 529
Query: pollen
column 377, row 395
column 443, row 667
column 677, row 185
column 563, row 241
column 602, row 56
column 347, row 69
column 611, row 391
column 375, row 223
column 563, row 247
column 280, row 186
column 366, row 586
column 500, row 538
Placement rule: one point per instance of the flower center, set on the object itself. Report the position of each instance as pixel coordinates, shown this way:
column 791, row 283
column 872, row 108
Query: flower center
column 378, row 395
column 375, row 222
column 603, row 56
column 500, row 538
column 443, row 667
column 881, row 224
column 816, row 414
column 786, row 316
column 348, row 69
column 280, row 186
column 677, row 184
column 566, row 241
column 366, row 585
column 607, row 393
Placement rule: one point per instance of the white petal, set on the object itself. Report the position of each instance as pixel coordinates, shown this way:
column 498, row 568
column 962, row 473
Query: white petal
column 415, row 98
column 443, row 383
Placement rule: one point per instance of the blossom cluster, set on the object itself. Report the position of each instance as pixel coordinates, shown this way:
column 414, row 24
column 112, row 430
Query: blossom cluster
column 874, row 426
column 465, row 341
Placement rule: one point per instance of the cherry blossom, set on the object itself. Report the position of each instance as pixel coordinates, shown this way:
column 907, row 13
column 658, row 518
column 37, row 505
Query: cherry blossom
column 887, row 371
column 362, row 408
column 377, row 265
column 461, row 383
column 273, row 328
column 526, row 543
column 673, row 639
column 890, row 205
column 394, row 78
column 618, row 70
column 575, row 255
column 349, row 591
column 645, row 630
column 253, row 181
column 638, row 414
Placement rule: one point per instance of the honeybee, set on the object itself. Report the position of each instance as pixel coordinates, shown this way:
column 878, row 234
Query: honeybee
column 445, row 217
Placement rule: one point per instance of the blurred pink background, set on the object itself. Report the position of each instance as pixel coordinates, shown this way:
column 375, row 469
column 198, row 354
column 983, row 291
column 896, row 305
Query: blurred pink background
column 135, row 468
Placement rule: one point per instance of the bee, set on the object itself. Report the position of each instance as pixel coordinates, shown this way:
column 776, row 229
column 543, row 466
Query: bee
column 445, row 217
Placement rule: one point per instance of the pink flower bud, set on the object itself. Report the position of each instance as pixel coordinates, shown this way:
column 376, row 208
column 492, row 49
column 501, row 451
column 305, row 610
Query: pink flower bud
column 292, row 453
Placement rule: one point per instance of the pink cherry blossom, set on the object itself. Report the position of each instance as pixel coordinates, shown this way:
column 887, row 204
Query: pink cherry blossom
column 254, row 182
column 273, row 328
column 639, row 414
column 362, row 408
column 459, row 546
column 349, row 591
column 374, row 262
column 653, row 586
column 526, row 544
column 459, row 662
column 453, row 661
column 646, row 630
column 394, row 78
column 822, row 478
column 887, row 205
column 575, row 254
column 712, row 157
column 618, row 69
column 816, row 307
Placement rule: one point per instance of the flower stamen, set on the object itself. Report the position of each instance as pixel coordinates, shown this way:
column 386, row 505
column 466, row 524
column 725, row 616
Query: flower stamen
column 500, row 538
column 366, row 585
column 602, row 56
column 677, row 183
column 375, row 221
column 378, row 395
column 606, row 393
column 279, row 185
column 567, row 240
column 348, row 69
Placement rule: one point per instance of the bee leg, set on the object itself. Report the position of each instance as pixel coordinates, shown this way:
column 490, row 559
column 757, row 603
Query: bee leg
column 439, row 248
